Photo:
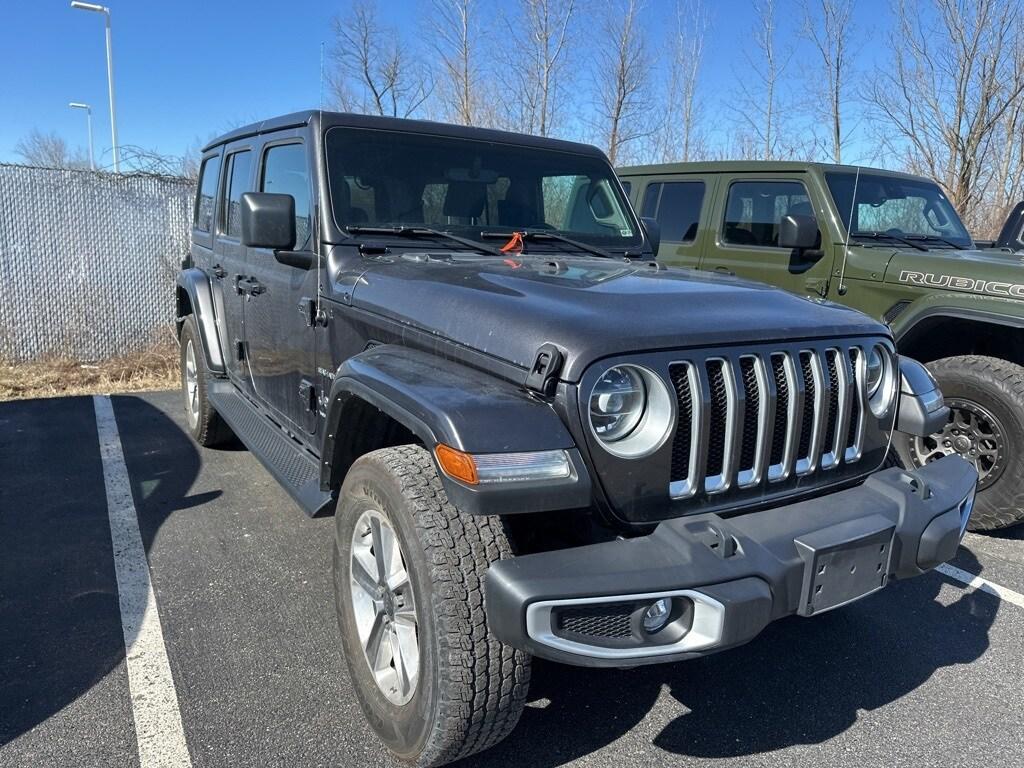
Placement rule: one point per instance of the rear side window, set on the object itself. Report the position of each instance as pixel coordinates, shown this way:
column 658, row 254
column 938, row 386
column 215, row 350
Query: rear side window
column 755, row 209
column 676, row 206
column 209, row 175
column 285, row 172
column 239, row 165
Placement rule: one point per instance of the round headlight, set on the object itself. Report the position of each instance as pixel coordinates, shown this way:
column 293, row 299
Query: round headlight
column 875, row 364
column 617, row 403
column 630, row 411
column 879, row 379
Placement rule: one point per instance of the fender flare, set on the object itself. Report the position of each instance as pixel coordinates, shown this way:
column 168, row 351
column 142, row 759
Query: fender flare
column 441, row 401
column 913, row 321
column 195, row 283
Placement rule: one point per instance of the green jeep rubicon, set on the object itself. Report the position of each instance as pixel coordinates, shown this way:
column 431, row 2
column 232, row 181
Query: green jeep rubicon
column 890, row 245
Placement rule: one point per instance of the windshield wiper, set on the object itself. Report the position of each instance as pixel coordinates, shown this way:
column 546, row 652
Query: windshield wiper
column 543, row 234
column 889, row 236
column 358, row 229
column 936, row 238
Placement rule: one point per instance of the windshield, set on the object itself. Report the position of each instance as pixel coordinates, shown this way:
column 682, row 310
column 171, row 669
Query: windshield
column 902, row 208
column 472, row 188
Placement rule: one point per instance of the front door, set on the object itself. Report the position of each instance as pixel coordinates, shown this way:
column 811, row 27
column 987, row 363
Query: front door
column 279, row 316
column 679, row 206
column 747, row 241
column 229, row 262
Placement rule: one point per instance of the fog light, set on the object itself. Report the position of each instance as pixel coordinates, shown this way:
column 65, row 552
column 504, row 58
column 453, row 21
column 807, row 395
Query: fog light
column 657, row 615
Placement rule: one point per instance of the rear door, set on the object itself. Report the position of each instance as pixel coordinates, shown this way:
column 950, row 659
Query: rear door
column 748, row 211
column 279, row 318
column 229, row 259
column 679, row 204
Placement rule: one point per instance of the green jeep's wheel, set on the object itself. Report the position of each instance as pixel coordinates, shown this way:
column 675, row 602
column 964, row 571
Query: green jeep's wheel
column 408, row 575
column 986, row 426
column 204, row 423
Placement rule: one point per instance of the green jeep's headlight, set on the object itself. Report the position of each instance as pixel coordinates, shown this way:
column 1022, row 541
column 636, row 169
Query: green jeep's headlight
column 630, row 411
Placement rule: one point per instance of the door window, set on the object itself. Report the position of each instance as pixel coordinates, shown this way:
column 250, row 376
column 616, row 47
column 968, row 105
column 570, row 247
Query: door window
column 239, row 165
column 286, row 172
column 676, row 206
column 755, row 209
column 209, row 176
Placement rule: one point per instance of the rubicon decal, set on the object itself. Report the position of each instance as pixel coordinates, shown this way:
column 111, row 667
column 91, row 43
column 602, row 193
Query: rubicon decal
column 960, row 283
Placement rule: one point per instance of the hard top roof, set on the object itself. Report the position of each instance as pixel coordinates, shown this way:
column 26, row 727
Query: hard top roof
column 753, row 166
column 351, row 120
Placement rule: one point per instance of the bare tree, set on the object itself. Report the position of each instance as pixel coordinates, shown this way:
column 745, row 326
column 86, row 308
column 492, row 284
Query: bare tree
column 456, row 29
column 681, row 135
column 762, row 106
column 622, row 79
column 542, row 35
column 375, row 71
column 951, row 92
column 48, row 150
column 827, row 25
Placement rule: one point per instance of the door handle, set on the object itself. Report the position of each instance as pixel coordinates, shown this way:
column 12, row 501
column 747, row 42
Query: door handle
column 725, row 271
column 218, row 271
column 249, row 286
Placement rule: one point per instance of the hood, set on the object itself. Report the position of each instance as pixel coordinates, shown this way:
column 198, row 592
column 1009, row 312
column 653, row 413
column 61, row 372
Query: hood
column 589, row 307
column 987, row 272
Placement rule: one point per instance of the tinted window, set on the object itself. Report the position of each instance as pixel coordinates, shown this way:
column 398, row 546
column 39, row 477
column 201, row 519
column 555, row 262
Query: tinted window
column 651, row 195
column 627, row 187
column 755, row 209
column 238, row 182
column 285, row 172
column 209, row 175
column 679, row 210
column 380, row 178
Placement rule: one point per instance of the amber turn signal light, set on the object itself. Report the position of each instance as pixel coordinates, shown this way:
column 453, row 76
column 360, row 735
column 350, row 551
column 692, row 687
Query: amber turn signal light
column 457, row 464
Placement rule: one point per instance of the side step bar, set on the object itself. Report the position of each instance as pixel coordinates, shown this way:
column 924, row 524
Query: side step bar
column 290, row 464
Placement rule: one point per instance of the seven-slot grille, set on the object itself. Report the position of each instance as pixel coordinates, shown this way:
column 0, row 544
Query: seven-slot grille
column 748, row 419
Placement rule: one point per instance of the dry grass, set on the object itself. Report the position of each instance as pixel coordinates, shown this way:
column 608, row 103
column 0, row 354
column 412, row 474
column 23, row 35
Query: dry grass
column 155, row 367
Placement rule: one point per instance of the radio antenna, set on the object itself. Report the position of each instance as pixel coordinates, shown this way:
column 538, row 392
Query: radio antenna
column 849, row 228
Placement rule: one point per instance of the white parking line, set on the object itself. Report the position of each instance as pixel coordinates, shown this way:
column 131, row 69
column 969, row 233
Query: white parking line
column 976, row 582
column 158, row 730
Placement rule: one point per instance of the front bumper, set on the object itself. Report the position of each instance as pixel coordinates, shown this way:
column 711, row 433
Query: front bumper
column 727, row 578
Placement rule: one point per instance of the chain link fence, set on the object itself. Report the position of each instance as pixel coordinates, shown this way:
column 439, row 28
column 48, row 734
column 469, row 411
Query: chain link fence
column 88, row 260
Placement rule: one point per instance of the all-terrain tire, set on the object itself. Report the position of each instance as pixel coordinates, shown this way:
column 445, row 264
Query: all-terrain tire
column 204, row 423
column 471, row 688
column 998, row 387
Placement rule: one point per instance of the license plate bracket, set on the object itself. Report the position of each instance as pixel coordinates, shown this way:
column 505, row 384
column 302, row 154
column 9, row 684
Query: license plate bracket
column 844, row 562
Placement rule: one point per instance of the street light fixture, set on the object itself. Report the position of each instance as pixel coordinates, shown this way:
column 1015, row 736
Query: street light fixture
column 88, row 122
column 110, row 74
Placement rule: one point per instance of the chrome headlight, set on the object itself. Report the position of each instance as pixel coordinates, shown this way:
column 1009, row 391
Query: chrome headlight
column 880, row 379
column 630, row 411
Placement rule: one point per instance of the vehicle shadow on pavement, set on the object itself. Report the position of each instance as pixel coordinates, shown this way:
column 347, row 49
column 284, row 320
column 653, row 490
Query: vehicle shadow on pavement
column 60, row 623
column 801, row 682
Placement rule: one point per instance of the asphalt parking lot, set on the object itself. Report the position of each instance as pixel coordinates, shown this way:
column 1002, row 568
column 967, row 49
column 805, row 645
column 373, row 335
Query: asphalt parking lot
column 927, row 673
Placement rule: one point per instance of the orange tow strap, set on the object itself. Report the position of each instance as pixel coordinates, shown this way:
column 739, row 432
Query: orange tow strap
column 515, row 245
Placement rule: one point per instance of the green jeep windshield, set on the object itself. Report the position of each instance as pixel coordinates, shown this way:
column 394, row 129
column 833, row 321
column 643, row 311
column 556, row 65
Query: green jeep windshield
column 901, row 208
column 466, row 187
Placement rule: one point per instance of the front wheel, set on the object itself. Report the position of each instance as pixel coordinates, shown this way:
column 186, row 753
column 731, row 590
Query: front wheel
column 985, row 396
column 430, row 677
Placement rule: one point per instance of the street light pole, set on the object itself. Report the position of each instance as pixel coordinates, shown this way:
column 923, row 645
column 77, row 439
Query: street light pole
column 110, row 74
column 88, row 122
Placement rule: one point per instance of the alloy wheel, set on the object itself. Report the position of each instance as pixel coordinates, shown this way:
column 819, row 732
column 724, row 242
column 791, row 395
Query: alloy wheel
column 972, row 432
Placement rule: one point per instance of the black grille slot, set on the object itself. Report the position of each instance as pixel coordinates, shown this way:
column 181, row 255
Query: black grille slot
column 831, row 360
column 807, row 424
column 781, row 409
column 751, row 415
column 718, row 410
column 609, row 621
column 851, row 437
column 684, row 429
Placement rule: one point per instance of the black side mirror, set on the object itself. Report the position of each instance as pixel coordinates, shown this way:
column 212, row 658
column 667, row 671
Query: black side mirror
column 653, row 230
column 799, row 232
column 268, row 221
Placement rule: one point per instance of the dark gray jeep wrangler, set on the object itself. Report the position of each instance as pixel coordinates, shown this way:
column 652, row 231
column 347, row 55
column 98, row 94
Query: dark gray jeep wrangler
column 536, row 440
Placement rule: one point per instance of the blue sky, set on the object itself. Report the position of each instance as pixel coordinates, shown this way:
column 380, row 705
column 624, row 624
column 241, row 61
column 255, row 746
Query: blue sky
column 187, row 69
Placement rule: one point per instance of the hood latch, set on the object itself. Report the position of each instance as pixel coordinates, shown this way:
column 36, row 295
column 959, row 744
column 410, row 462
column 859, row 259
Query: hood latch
column 544, row 372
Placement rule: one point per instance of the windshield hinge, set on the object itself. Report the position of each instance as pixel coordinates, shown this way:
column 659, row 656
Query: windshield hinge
column 817, row 285
column 544, row 372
